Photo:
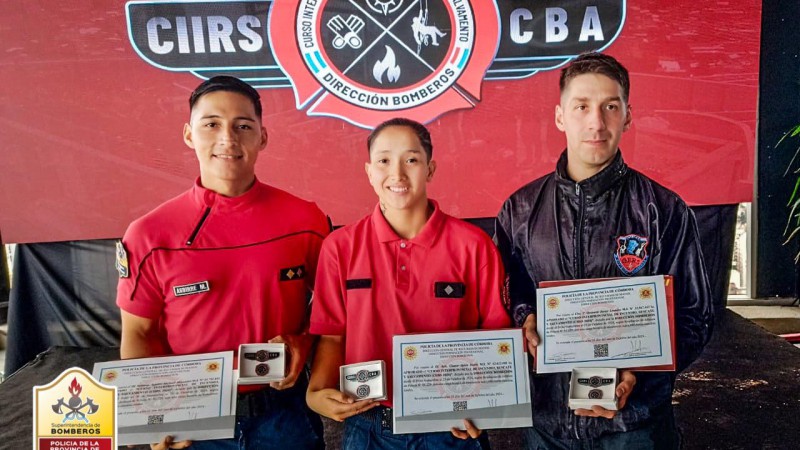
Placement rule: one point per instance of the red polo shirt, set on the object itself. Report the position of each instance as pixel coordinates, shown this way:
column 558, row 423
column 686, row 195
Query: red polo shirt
column 371, row 284
column 219, row 271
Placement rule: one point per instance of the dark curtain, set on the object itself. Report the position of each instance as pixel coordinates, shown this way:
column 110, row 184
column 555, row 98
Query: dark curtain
column 778, row 112
column 717, row 227
column 62, row 294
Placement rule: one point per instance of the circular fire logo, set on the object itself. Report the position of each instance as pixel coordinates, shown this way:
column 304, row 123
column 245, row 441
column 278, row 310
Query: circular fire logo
column 503, row 348
column 552, row 302
column 368, row 61
column 646, row 293
column 212, row 366
column 110, row 376
column 410, row 353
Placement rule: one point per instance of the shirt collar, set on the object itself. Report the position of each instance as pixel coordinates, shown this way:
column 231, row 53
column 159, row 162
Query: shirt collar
column 426, row 237
column 207, row 198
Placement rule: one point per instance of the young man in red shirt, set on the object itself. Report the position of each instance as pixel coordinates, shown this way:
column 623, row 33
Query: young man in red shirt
column 230, row 261
column 388, row 274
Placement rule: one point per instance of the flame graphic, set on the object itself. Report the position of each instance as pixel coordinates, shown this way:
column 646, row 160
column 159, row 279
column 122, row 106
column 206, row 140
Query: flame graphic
column 387, row 64
column 75, row 387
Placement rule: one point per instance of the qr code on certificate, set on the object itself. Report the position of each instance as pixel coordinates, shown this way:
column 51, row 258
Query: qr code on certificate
column 460, row 406
column 155, row 418
column 600, row 350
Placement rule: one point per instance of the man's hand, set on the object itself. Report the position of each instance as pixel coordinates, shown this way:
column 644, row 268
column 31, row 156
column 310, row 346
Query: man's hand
column 624, row 389
column 530, row 333
column 471, row 431
column 336, row 404
column 167, row 443
column 297, row 348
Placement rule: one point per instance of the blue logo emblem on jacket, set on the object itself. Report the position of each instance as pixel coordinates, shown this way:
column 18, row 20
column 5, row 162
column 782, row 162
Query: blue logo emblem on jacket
column 631, row 254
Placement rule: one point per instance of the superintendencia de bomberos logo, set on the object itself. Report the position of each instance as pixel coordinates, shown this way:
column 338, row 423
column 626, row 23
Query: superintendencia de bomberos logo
column 74, row 412
column 367, row 61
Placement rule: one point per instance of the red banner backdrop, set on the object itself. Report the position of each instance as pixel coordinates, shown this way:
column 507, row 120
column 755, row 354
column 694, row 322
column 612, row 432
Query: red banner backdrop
column 91, row 132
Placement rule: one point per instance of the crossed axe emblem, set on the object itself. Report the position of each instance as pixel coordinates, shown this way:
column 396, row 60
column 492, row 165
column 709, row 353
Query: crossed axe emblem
column 76, row 408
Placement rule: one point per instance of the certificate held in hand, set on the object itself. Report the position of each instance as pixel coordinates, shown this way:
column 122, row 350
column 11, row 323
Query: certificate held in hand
column 442, row 378
column 622, row 323
column 185, row 396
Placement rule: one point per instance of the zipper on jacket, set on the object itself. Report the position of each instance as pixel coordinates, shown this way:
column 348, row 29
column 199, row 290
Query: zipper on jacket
column 579, row 270
column 197, row 228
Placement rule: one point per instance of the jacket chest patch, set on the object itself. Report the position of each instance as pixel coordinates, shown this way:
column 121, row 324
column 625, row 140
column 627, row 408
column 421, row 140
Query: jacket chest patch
column 189, row 289
column 631, row 254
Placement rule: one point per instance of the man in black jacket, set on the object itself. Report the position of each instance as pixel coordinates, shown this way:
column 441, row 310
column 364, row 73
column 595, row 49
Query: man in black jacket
column 595, row 217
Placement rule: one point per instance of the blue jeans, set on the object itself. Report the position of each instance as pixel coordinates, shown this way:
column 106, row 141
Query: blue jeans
column 270, row 419
column 370, row 430
column 661, row 434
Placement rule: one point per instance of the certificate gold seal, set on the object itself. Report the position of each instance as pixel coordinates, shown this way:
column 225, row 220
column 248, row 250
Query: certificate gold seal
column 504, row 348
column 410, row 353
column 110, row 376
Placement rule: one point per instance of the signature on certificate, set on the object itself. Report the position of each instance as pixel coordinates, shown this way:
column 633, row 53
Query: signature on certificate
column 637, row 349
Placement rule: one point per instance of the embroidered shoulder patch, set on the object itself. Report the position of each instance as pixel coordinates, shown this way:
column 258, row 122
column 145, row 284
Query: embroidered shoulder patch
column 122, row 261
column 631, row 254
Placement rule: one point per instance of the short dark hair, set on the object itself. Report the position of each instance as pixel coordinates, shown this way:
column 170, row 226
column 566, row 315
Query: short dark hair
column 419, row 129
column 594, row 62
column 229, row 84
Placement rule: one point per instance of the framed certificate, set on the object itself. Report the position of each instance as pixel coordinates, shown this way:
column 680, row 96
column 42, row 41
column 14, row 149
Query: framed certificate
column 442, row 378
column 621, row 323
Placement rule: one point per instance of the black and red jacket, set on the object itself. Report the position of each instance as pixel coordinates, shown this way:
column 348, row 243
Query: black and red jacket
column 617, row 223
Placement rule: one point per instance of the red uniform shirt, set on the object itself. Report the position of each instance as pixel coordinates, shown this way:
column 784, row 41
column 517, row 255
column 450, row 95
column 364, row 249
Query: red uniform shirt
column 218, row 271
column 371, row 284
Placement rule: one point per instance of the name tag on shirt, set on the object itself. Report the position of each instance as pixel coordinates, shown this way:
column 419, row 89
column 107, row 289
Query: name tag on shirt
column 190, row 289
